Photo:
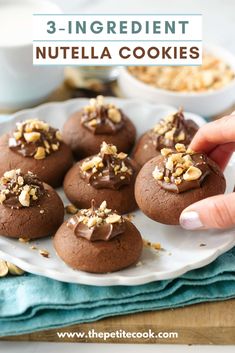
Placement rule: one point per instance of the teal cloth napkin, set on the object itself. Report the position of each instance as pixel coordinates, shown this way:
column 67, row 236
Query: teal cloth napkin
column 31, row 303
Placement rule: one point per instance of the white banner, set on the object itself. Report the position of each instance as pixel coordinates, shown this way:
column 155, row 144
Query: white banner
column 117, row 39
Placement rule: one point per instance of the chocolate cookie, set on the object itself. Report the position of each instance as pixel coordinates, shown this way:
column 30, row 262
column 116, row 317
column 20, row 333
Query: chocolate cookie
column 106, row 176
column 169, row 183
column 37, row 147
column 87, row 129
column 29, row 209
column 169, row 131
column 98, row 241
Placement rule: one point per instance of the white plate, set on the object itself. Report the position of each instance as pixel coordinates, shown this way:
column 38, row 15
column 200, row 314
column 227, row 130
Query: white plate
column 182, row 248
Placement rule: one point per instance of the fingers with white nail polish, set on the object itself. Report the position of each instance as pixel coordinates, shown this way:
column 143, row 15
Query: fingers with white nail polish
column 214, row 212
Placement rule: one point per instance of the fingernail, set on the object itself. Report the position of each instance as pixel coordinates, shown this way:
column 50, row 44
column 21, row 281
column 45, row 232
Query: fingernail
column 190, row 220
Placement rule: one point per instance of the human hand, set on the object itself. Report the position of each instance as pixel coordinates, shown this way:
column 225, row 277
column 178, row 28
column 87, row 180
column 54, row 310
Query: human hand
column 217, row 140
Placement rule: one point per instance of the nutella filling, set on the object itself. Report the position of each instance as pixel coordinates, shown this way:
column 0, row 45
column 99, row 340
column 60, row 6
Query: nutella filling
column 173, row 129
column 96, row 224
column 108, row 169
column 181, row 170
column 101, row 118
column 19, row 190
column 34, row 138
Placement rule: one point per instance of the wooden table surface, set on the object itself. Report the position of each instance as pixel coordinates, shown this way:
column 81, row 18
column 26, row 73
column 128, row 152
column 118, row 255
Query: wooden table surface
column 206, row 323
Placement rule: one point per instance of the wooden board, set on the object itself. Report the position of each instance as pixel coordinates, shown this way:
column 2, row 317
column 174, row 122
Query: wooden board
column 207, row 323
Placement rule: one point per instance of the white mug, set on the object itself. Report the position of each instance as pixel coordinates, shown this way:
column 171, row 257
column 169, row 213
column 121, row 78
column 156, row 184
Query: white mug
column 21, row 83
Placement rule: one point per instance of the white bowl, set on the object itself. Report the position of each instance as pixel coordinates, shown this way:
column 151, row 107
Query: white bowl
column 206, row 104
column 21, row 83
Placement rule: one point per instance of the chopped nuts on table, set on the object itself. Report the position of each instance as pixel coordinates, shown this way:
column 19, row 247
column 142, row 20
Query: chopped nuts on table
column 9, row 268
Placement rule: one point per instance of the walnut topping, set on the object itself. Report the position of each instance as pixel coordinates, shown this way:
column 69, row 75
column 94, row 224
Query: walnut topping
column 58, row 135
column 32, row 136
column 169, row 135
column 96, row 162
column 122, row 155
column 171, row 130
column 35, row 138
column 108, row 149
column 98, row 107
column 96, row 224
column 113, row 218
column 157, row 174
column 180, row 147
column 117, row 161
column 2, row 198
column 192, row 173
column 114, row 115
column 18, row 190
column 24, row 196
column 179, row 166
column 41, row 153
column 96, row 217
column 181, row 136
column 166, row 151
column 17, row 135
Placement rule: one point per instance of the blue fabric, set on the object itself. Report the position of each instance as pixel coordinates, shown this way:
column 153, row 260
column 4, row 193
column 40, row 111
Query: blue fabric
column 30, row 303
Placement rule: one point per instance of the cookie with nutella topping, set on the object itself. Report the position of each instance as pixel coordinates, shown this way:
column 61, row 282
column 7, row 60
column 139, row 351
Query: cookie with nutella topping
column 34, row 145
column 169, row 183
column 169, row 131
column 98, row 240
column 97, row 122
column 29, row 208
column 109, row 175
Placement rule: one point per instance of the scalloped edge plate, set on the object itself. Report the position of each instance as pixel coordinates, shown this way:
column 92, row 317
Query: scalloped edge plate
column 182, row 249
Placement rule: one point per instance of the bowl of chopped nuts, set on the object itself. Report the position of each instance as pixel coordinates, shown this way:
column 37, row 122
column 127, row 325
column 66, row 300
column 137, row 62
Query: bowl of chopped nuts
column 206, row 90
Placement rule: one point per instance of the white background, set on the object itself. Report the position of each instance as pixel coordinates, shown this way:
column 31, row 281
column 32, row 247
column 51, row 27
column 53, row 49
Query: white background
column 219, row 28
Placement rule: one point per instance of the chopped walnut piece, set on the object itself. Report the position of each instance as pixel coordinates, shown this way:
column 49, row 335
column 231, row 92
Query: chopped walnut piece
column 71, row 209
column 180, row 147
column 114, row 115
column 24, row 240
column 166, row 151
column 44, row 253
column 108, row 149
column 157, row 174
column 24, row 197
column 58, row 135
column 41, row 153
column 193, row 173
column 94, row 162
column 32, row 136
column 113, row 218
